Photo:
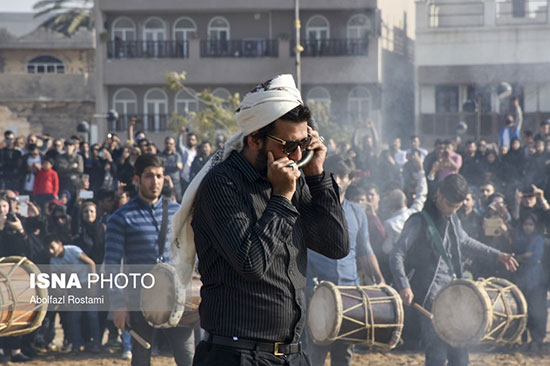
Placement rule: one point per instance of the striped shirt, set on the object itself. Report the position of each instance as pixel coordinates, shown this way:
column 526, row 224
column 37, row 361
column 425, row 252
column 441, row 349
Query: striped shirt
column 132, row 233
column 252, row 249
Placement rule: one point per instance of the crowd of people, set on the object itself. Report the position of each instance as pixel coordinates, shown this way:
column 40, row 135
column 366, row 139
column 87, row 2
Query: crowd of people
column 57, row 195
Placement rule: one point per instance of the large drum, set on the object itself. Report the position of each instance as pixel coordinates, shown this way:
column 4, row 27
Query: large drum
column 371, row 315
column 489, row 310
column 18, row 313
column 167, row 304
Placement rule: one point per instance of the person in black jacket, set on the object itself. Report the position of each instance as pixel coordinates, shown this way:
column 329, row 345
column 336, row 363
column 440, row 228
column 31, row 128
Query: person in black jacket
column 91, row 233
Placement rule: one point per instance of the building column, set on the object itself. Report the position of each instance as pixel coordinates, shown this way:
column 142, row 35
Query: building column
column 489, row 13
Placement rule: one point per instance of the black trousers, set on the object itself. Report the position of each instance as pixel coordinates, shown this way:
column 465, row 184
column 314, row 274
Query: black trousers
column 181, row 340
column 208, row 354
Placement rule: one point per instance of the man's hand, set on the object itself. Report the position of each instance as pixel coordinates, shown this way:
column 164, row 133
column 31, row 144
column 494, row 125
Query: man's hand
column 281, row 176
column 509, row 261
column 315, row 166
column 121, row 318
column 407, row 296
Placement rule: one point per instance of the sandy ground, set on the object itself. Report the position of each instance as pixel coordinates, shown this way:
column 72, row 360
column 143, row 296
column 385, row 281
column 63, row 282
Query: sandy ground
column 394, row 358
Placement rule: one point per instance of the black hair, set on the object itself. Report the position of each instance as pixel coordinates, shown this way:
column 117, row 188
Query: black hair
column 32, row 147
column 339, row 165
column 299, row 114
column 146, row 160
column 138, row 132
column 48, row 239
column 8, row 132
column 355, row 191
column 454, row 188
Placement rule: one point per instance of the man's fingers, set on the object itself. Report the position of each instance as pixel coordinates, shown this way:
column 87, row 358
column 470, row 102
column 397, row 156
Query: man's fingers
column 270, row 158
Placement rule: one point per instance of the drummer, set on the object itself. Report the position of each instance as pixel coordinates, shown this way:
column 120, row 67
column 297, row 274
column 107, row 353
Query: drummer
column 132, row 234
column 428, row 255
column 255, row 214
column 345, row 271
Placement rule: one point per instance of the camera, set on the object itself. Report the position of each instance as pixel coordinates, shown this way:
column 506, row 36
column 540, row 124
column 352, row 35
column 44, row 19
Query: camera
column 11, row 217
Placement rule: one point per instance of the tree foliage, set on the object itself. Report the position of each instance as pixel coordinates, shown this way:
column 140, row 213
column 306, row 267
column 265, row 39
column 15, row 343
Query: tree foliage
column 65, row 16
column 215, row 115
column 325, row 122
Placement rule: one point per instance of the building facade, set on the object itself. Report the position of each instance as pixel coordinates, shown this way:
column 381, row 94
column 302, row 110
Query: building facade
column 46, row 78
column 465, row 49
column 357, row 57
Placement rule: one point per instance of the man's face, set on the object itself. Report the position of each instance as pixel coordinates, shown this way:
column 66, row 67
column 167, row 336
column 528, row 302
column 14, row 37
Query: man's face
column 469, row 201
column 482, row 146
column 56, row 248
column 288, row 131
column 343, row 182
column 396, row 143
column 415, row 142
column 70, row 149
column 10, row 140
column 192, row 141
column 150, row 182
column 529, row 201
column 445, row 207
column 485, row 191
column 544, row 129
column 58, row 145
column 373, row 197
column 540, row 146
column 471, row 148
column 170, row 145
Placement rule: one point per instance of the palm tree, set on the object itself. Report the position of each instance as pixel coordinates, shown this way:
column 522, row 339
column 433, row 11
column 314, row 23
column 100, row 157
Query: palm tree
column 65, row 16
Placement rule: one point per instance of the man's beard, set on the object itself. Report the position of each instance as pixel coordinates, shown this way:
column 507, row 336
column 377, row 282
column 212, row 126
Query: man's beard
column 261, row 161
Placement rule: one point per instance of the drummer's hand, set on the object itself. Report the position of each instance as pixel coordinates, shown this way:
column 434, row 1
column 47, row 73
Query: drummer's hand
column 121, row 318
column 509, row 261
column 407, row 296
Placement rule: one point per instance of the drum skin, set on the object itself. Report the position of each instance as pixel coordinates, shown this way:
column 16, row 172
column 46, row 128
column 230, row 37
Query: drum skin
column 18, row 315
column 371, row 315
column 491, row 310
column 166, row 305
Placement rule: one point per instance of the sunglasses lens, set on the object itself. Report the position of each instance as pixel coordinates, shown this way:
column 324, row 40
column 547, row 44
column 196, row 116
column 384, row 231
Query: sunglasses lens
column 290, row 147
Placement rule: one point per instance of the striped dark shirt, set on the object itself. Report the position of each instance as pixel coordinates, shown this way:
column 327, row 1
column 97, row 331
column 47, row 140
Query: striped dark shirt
column 252, row 249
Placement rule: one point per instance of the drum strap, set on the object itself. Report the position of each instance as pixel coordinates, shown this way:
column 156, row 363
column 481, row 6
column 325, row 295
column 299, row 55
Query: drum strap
column 163, row 228
column 438, row 243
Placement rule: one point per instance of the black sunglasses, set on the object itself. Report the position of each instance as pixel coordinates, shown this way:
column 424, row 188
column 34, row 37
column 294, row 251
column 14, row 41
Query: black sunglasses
column 290, row 146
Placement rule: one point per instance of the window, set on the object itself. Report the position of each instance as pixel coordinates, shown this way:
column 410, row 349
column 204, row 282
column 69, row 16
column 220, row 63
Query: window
column 154, row 35
column 358, row 26
column 359, row 104
column 186, row 102
column 446, row 99
column 319, row 100
column 124, row 29
column 218, row 29
column 156, row 108
column 483, row 92
column 125, row 102
column 45, row 65
column 317, row 28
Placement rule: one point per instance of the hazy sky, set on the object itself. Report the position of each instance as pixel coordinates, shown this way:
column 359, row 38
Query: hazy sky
column 16, row 5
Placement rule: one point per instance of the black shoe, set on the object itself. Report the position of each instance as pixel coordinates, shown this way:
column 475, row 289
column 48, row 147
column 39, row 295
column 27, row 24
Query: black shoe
column 93, row 348
column 20, row 357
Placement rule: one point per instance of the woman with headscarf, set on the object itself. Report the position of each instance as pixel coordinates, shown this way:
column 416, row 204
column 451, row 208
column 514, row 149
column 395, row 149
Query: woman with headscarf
column 91, row 233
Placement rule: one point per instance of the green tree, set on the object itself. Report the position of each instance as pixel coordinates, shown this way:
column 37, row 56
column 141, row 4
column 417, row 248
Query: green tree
column 65, row 16
column 215, row 115
column 327, row 127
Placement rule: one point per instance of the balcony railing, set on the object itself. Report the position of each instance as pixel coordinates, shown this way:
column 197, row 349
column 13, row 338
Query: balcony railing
column 510, row 12
column 147, row 49
column 333, row 47
column 240, row 48
column 145, row 122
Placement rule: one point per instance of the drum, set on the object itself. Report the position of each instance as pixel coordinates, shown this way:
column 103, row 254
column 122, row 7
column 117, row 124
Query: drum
column 371, row 315
column 166, row 304
column 489, row 310
column 18, row 313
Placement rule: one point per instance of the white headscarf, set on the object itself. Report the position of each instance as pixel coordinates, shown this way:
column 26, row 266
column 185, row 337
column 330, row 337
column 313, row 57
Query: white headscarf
column 266, row 103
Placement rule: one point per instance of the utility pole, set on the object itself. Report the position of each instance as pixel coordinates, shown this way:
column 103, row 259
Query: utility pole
column 298, row 49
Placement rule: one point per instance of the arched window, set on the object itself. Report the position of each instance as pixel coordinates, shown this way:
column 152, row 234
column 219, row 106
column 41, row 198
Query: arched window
column 183, row 28
column 317, row 28
column 318, row 99
column 155, row 109
column 358, row 26
column 46, row 65
column 223, row 94
column 186, row 102
column 125, row 102
column 218, row 29
column 359, row 104
column 124, row 29
column 154, row 35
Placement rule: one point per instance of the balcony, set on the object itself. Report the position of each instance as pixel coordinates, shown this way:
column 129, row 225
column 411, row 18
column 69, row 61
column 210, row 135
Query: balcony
column 145, row 122
column 333, row 47
column 147, row 49
column 240, row 48
column 481, row 13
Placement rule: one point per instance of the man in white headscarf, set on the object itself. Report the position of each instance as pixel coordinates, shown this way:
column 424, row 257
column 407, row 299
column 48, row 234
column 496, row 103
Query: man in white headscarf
column 251, row 214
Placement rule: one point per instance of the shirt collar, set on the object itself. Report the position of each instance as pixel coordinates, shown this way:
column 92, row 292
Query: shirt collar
column 140, row 201
column 245, row 167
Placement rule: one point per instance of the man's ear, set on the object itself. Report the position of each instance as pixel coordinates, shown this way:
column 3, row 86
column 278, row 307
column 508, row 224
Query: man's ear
column 255, row 144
